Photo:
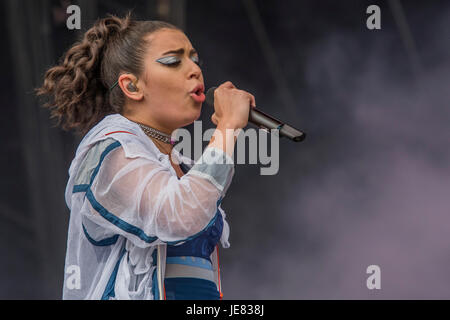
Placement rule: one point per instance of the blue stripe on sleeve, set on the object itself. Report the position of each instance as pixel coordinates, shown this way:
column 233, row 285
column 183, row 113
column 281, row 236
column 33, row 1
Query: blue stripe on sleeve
column 100, row 243
column 80, row 188
column 109, row 290
column 125, row 226
column 108, row 149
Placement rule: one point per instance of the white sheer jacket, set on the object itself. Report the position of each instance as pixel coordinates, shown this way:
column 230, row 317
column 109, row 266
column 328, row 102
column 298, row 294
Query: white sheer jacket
column 126, row 201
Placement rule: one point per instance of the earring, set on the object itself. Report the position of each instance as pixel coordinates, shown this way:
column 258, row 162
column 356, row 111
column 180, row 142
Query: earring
column 131, row 87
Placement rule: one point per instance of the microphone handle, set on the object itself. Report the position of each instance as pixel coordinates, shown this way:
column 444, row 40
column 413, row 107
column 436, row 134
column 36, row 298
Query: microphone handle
column 264, row 121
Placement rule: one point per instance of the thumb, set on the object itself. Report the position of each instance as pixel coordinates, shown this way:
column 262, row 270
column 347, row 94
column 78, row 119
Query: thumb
column 214, row 119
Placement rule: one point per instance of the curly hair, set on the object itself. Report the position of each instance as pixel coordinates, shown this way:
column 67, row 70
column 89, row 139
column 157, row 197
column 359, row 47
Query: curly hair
column 78, row 87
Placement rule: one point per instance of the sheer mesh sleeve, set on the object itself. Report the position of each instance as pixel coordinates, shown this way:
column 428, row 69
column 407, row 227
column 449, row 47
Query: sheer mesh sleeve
column 142, row 200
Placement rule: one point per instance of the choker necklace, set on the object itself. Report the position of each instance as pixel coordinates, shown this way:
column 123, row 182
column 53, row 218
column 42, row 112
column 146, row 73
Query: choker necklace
column 153, row 133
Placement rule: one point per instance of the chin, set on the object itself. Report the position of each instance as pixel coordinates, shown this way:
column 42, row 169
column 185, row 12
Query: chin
column 191, row 119
column 197, row 113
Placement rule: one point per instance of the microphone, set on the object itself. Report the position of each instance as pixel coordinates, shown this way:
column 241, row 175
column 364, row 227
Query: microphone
column 264, row 121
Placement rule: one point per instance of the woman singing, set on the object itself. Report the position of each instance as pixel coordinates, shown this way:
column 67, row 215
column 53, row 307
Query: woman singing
column 142, row 225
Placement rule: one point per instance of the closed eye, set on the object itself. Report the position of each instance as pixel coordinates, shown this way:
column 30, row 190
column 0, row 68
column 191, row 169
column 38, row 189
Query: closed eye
column 175, row 61
column 169, row 61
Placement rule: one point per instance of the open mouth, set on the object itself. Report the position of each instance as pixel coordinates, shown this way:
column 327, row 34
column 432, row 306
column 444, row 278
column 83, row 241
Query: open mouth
column 197, row 94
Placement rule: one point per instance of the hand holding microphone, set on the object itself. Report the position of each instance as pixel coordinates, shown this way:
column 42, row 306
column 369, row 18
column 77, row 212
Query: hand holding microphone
column 231, row 105
column 236, row 108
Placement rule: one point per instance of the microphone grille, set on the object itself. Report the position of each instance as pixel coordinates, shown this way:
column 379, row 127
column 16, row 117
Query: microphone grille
column 210, row 96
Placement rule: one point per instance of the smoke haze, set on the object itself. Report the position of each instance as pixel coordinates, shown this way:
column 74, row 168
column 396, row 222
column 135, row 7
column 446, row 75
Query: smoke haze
column 379, row 193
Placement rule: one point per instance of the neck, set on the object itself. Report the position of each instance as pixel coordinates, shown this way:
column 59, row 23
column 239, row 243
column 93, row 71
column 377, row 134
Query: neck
column 148, row 122
column 164, row 147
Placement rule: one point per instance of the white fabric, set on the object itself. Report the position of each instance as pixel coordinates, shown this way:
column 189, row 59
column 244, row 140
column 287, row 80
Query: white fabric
column 136, row 202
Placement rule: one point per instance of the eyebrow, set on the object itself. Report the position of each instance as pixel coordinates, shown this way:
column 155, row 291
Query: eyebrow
column 180, row 51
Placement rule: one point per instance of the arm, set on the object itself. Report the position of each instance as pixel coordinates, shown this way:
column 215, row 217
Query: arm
column 143, row 201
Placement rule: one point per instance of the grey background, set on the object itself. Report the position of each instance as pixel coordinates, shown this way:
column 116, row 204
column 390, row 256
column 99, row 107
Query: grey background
column 369, row 185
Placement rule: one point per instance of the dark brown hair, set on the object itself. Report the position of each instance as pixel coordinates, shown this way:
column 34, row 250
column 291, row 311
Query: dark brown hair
column 78, row 87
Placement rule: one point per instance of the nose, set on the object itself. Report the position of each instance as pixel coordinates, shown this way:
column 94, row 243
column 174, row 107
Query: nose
column 195, row 71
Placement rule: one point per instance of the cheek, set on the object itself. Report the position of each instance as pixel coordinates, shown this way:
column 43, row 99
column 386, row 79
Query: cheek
column 164, row 78
column 165, row 88
column 167, row 95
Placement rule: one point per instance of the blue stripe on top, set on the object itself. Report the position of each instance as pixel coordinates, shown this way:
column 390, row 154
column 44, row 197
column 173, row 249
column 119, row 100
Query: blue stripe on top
column 190, row 261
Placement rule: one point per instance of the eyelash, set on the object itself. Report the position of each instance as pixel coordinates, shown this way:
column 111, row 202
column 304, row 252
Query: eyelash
column 176, row 63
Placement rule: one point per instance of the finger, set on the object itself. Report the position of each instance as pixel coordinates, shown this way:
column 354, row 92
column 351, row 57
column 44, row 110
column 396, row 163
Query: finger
column 228, row 84
column 252, row 101
column 214, row 119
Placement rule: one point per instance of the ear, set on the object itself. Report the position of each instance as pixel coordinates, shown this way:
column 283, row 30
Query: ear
column 124, row 82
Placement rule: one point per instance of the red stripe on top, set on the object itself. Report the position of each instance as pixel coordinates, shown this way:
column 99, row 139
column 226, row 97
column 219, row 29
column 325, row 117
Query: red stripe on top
column 118, row 132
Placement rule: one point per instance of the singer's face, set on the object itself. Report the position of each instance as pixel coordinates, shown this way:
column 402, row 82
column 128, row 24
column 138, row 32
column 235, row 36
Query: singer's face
column 171, row 73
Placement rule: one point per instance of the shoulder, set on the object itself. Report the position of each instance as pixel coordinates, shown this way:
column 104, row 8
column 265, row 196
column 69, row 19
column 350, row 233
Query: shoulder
column 126, row 134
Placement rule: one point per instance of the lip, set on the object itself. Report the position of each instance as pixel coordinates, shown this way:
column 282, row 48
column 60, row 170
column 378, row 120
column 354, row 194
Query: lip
column 200, row 96
column 200, row 87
